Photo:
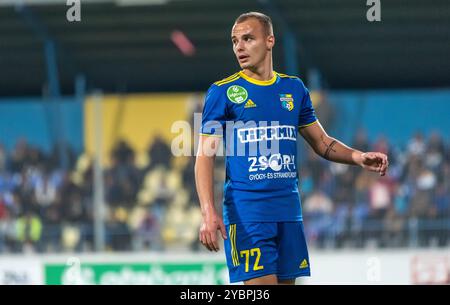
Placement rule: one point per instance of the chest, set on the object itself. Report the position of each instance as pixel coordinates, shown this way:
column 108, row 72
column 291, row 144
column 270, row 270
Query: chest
column 268, row 104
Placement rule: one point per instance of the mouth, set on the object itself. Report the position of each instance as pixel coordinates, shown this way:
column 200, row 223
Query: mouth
column 243, row 57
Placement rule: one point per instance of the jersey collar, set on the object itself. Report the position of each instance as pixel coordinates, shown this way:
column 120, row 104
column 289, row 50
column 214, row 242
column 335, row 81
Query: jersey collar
column 259, row 82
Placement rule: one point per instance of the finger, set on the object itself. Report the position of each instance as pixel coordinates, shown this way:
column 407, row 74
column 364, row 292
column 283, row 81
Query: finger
column 377, row 156
column 382, row 157
column 374, row 168
column 370, row 156
column 214, row 243
column 379, row 160
column 223, row 230
column 208, row 243
column 384, row 161
column 384, row 165
column 203, row 240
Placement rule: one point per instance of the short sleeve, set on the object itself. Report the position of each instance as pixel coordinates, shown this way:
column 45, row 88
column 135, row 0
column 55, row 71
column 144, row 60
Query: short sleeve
column 307, row 113
column 214, row 113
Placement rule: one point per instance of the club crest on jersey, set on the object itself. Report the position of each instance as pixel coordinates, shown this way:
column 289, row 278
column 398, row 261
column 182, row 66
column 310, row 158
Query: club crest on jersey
column 287, row 102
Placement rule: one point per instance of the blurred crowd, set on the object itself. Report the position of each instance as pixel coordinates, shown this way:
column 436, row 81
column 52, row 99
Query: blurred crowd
column 151, row 202
column 346, row 206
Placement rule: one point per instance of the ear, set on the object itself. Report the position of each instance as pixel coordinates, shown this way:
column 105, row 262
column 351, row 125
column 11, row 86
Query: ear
column 270, row 42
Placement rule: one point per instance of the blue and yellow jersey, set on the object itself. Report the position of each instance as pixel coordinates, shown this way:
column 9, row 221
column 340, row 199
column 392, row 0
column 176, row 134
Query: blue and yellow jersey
column 259, row 121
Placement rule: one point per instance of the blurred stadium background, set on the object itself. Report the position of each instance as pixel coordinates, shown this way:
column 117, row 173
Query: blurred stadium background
column 91, row 193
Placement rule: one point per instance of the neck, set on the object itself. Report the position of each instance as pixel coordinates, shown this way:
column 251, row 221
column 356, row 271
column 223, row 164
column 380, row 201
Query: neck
column 262, row 72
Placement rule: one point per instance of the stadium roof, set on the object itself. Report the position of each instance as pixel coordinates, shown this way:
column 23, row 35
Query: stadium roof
column 125, row 46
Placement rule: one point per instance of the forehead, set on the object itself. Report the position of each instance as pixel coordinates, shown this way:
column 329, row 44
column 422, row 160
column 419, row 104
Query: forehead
column 249, row 26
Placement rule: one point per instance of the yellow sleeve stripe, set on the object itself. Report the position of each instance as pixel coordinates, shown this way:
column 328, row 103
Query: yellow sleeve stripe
column 231, row 80
column 303, row 126
column 210, row 135
column 285, row 75
column 227, row 80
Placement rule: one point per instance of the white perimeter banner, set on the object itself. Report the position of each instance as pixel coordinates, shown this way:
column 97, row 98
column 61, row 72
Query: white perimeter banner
column 332, row 267
column 20, row 270
column 387, row 267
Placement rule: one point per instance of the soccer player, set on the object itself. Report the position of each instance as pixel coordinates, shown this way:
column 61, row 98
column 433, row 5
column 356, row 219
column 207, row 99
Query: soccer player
column 262, row 223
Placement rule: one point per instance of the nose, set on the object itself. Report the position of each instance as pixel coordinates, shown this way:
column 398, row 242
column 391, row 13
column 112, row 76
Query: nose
column 240, row 46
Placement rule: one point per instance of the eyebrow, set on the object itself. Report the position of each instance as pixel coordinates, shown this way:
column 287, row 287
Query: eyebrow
column 243, row 36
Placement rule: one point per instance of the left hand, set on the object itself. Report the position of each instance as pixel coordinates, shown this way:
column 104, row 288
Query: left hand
column 375, row 162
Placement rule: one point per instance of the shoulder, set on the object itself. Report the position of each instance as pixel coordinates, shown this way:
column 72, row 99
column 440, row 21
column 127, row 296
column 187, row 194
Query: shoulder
column 219, row 88
column 285, row 76
column 293, row 80
column 232, row 78
column 290, row 78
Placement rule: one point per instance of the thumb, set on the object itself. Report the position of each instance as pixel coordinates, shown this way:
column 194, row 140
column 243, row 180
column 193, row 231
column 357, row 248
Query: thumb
column 222, row 230
column 367, row 155
column 370, row 156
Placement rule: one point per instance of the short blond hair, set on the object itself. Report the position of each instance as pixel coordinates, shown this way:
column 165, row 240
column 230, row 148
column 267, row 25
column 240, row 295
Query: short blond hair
column 263, row 19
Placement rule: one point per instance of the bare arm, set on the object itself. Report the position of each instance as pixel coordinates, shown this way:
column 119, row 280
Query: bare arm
column 336, row 151
column 204, row 181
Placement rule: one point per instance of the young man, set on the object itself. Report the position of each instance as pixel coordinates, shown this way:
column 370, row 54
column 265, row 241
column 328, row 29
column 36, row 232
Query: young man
column 262, row 219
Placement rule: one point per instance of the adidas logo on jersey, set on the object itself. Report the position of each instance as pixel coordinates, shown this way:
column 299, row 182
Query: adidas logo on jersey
column 304, row 264
column 250, row 104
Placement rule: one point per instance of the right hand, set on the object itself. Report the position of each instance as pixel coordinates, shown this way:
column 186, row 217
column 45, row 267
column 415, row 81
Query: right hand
column 208, row 231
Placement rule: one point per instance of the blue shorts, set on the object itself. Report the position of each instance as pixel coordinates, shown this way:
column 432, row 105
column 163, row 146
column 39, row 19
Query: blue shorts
column 257, row 249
